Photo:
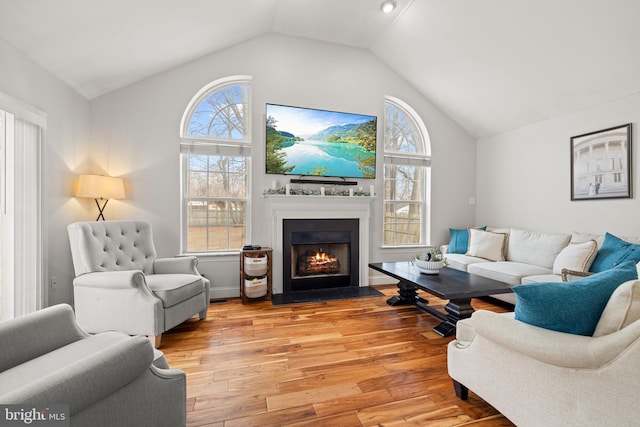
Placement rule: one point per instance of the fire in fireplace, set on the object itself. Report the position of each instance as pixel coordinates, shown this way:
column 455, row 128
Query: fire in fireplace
column 320, row 262
column 320, row 253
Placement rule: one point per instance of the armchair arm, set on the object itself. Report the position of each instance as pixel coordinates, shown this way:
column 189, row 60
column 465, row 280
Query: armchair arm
column 183, row 265
column 551, row 347
column 112, row 279
column 30, row 336
column 565, row 273
column 117, row 300
column 99, row 371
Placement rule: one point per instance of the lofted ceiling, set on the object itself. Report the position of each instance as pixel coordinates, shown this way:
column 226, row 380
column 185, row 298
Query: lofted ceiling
column 491, row 65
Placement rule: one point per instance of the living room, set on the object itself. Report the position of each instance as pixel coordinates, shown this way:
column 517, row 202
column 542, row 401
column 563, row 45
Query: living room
column 513, row 173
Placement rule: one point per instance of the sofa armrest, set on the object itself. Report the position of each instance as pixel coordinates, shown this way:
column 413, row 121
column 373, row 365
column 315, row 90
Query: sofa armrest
column 565, row 273
column 551, row 347
column 177, row 265
column 30, row 336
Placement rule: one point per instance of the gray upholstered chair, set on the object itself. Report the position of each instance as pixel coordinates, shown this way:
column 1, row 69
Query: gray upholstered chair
column 108, row 379
column 121, row 285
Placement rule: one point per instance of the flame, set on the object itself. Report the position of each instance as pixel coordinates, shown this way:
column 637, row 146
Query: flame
column 322, row 257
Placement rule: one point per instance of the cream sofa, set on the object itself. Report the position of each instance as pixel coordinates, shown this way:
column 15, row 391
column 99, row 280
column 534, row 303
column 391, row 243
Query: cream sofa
column 107, row 379
column 541, row 377
column 530, row 256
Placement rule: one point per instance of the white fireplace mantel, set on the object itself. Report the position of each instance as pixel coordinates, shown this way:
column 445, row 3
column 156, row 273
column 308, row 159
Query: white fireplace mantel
column 323, row 207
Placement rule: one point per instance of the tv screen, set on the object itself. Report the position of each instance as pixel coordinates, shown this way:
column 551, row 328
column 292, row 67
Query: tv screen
column 306, row 141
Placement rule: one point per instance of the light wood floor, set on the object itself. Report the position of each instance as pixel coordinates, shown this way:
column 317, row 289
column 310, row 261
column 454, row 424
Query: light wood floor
column 357, row 362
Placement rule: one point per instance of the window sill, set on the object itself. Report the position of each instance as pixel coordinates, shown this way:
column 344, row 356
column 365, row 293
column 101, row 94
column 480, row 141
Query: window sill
column 407, row 247
column 210, row 254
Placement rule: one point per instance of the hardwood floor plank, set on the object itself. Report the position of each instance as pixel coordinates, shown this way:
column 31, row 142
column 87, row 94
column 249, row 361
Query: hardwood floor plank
column 342, row 420
column 340, row 363
column 331, row 375
column 320, row 394
column 352, row 403
column 285, row 417
column 446, row 417
column 401, row 410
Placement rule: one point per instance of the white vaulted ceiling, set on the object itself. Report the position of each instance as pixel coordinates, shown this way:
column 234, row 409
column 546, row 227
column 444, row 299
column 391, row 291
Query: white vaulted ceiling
column 491, row 65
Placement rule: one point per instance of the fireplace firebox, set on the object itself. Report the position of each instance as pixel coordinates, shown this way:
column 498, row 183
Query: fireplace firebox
column 320, row 254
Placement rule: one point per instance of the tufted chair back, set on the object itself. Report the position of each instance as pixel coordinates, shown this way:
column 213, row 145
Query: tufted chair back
column 111, row 246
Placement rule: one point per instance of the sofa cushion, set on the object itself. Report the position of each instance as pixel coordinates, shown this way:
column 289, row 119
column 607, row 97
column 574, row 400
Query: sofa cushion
column 506, row 271
column 572, row 307
column 614, row 251
column 542, row 278
column 172, row 289
column 622, row 309
column 487, row 245
column 459, row 240
column 461, row 261
column 576, row 257
column 535, row 247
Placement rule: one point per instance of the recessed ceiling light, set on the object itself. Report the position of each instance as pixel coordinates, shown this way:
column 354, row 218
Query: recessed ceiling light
column 387, row 6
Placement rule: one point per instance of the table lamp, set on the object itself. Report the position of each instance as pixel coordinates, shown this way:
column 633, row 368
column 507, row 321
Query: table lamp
column 100, row 187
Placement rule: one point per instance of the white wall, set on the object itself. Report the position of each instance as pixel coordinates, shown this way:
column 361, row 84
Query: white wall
column 524, row 176
column 66, row 152
column 135, row 135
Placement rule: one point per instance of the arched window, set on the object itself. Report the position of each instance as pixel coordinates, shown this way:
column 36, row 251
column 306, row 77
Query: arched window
column 407, row 160
column 215, row 150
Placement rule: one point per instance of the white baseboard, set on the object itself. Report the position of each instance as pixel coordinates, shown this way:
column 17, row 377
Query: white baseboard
column 373, row 281
column 220, row 293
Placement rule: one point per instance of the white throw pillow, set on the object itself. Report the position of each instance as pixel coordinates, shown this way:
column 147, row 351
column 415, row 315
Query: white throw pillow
column 487, row 245
column 576, row 257
column 622, row 309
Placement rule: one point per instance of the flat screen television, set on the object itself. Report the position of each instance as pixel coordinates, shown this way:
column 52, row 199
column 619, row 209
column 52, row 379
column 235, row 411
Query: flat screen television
column 307, row 141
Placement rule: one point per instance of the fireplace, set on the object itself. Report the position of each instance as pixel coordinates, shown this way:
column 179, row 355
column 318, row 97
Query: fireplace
column 307, row 208
column 320, row 254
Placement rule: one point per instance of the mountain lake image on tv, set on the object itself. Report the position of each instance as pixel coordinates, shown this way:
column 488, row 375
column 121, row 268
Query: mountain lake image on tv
column 306, row 141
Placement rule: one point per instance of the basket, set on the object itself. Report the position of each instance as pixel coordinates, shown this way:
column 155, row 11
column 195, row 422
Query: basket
column 255, row 287
column 255, row 266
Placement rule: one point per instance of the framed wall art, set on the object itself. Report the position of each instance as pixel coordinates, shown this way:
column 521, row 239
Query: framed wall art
column 601, row 164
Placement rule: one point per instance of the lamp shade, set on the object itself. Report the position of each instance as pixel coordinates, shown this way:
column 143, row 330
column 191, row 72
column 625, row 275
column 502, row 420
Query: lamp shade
column 100, row 187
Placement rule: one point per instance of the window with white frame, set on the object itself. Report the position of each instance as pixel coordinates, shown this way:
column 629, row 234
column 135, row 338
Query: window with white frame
column 215, row 151
column 407, row 160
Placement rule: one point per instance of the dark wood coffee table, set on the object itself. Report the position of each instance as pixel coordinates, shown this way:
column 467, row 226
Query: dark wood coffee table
column 450, row 284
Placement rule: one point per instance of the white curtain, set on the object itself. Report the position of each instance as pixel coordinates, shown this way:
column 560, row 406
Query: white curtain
column 21, row 186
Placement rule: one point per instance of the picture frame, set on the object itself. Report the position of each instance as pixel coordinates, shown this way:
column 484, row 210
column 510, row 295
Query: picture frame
column 601, row 164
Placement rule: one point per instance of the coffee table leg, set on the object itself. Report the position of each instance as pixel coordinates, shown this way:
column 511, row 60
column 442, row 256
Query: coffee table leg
column 407, row 294
column 457, row 309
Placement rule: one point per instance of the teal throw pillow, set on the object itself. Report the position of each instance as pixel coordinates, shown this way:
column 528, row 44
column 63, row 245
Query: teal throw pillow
column 572, row 307
column 614, row 251
column 459, row 240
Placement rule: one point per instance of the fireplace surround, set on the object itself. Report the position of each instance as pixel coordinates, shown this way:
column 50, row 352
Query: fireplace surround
column 319, row 207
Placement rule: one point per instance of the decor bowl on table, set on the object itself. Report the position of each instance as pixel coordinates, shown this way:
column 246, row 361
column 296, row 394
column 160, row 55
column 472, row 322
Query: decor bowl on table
column 429, row 261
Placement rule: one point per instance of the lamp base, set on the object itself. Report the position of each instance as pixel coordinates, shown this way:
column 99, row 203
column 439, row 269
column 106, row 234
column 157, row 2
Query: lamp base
column 101, row 209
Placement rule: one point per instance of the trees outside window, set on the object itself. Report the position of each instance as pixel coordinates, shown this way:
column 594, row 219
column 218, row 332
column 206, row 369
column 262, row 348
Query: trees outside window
column 406, row 175
column 215, row 147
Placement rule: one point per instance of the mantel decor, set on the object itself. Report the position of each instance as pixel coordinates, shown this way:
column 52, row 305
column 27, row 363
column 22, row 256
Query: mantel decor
column 601, row 164
column 316, row 192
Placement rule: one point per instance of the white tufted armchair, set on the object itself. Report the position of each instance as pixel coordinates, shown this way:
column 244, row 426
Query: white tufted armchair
column 121, row 285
